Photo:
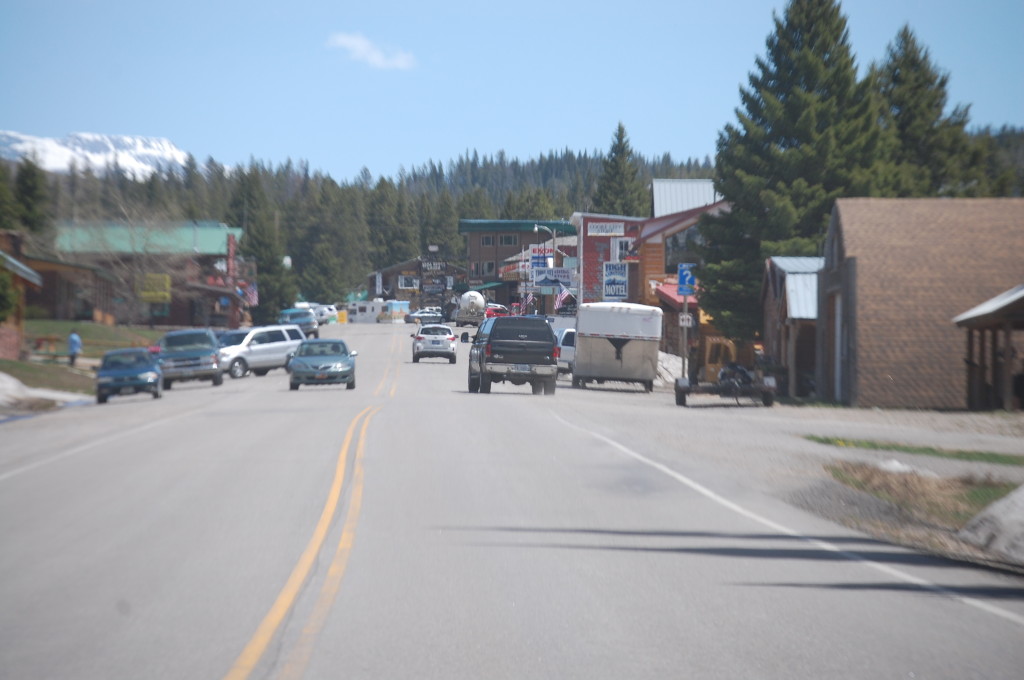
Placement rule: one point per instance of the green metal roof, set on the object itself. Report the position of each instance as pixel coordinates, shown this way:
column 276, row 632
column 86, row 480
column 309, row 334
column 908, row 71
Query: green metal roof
column 199, row 238
column 560, row 227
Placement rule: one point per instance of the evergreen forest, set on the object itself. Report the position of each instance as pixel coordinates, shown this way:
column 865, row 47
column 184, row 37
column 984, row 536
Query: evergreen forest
column 808, row 131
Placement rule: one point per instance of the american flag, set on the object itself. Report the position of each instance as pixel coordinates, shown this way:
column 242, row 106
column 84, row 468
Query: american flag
column 252, row 295
column 527, row 301
column 563, row 294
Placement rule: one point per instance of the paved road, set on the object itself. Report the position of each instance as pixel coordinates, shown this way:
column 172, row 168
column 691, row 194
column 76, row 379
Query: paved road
column 410, row 529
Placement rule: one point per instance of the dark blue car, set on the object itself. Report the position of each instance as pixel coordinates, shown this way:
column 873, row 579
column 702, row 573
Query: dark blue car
column 128, row 371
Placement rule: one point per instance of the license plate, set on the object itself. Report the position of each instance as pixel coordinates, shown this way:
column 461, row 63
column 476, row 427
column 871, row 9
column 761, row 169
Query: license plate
column 435, row 342
column 321, row 376
column 522, row 368
column 127, row 390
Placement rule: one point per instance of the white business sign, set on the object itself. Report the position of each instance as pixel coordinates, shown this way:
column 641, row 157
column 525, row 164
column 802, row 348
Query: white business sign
column 553, row 276
column 606, row 229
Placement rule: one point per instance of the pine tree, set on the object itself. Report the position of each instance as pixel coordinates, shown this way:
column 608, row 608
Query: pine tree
column 528, row 204
column 808, row 134
column 32, row 197
column 262, row 242
column 442, row 229
column 933, row 155
column 8, row 206
column 620, row 188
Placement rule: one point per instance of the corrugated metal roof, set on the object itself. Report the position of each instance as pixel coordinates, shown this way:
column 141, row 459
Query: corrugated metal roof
column 200, row 238
column 22, row 270
column 991, row 309
column 799, row 265
column 802, row 295
column 677, row 195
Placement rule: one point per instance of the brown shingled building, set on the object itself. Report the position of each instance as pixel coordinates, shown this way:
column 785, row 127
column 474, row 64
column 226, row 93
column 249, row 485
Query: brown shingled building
column 896, row 273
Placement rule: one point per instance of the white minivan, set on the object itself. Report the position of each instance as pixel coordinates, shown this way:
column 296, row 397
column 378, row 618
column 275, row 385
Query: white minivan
column 259, row 350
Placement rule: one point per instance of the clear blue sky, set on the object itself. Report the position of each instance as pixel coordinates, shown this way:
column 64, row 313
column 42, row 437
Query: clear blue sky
column 391, row 84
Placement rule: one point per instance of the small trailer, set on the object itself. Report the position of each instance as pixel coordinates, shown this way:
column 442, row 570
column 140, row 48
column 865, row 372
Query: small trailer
column 734, row 382
column 616, row 341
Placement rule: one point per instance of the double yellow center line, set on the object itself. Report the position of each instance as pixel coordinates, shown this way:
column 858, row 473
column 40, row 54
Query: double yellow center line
column 300, row 655
column 253, row 652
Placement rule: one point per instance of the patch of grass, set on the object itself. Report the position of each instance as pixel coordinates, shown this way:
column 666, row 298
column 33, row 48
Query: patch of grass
column 96, row 338
column 977, row 456
column 946, row 503
column 49, row 376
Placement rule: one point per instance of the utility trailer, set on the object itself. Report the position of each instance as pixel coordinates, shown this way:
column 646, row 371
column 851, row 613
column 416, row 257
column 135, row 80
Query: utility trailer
column 616, row 341
column 734, row 382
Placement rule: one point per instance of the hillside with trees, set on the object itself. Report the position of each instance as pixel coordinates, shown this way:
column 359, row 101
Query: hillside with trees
column 808, row 131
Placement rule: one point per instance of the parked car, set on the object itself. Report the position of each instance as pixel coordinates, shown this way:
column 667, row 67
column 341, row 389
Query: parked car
column 494, row 309
column 434, row 340
column 259, row 349
column 424, row 316
column 128, row 371
column 189, row 354
column 566, row 349
column 326, row 314
column 303, row 318
column 322, row 362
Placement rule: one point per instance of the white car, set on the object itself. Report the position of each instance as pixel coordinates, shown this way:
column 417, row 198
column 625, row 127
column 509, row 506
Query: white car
column 434, row 340
column 258, row 349
column 566, row 349
column 326, row 314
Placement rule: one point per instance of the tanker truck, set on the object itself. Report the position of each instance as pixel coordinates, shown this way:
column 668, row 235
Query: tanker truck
column 472, row 307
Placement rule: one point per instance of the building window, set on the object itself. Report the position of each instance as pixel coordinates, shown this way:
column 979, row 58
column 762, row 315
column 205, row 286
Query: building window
column 474, row 269
column 620, row 248
column 486, row 241
column 408, row 283
column 488, row 268
column 508, row 239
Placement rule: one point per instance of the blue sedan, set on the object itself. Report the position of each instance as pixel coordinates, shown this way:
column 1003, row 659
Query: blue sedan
column 322, row 362
column 128, row 371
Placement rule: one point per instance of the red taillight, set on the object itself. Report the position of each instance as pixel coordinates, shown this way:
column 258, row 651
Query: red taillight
column 419, row 337
column 557, row 352
column 487, row 350
column 451, row 338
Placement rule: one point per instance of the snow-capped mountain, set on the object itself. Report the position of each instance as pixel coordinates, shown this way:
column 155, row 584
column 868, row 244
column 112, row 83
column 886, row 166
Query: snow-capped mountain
column 137, row 156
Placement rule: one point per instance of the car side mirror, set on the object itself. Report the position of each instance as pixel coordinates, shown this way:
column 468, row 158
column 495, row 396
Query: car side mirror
column 465, row 336
column 353, row 353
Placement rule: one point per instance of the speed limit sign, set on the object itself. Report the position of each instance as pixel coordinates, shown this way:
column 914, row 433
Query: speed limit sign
column 686, row 320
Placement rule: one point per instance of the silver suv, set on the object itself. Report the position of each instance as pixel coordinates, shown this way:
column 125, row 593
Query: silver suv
column 258, row 349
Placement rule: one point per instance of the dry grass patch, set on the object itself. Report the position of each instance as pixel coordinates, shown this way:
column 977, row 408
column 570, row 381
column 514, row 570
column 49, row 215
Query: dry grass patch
column 944, row 503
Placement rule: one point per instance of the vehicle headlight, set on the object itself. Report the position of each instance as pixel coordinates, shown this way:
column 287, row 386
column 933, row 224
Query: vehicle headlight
column 149, row 376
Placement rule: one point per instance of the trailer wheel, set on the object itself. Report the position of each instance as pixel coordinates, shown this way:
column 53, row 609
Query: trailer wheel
column 680, row 398
column 768, row 398
column 576, row 382
column 648, row 386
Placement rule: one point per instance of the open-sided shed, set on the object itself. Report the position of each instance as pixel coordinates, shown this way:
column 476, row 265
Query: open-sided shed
column 991, row 357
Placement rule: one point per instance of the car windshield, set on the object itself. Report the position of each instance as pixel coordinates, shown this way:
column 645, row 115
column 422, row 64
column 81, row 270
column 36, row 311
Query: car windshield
column 297, row 316
column 186, row 341
column 312, row 349
column 119, row 361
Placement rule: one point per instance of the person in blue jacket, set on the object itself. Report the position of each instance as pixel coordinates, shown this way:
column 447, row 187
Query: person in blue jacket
column 74, row 346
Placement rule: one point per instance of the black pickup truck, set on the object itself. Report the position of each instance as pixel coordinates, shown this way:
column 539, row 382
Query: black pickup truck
column 513, row 349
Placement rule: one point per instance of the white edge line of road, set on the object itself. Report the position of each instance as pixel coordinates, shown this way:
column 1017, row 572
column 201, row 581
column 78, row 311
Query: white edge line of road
column 775, row 526
column 89, row 445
